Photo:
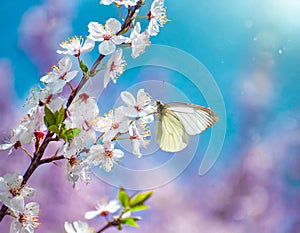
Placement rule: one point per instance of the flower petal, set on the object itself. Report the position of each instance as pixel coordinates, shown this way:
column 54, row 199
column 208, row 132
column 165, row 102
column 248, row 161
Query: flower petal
column 113, row 25
column 143, row 98
column 107, row 47
column 128, row 98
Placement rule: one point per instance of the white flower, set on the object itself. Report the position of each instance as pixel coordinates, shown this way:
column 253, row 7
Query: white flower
column 126, row 3
column 11, row 193
column 138, row 136
column 114, row 67
column 157, row 17
column 24, row 132
column 59, row 76
column 104, row 155
column 27, row 220
column 103, row 209
column 78, row 169
column 139, row 40
column 138, row 107
column 83, row 114
column 107, row 35
column 113, row 123
column 75, row 46
column 79, row 227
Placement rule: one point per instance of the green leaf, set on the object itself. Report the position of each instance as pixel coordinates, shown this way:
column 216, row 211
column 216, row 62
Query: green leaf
column 83, row 67
column 140, row 198
column 139, row 207
column 74, row 132
column 49, row 118
column 54, row 129
column 120, row 227
column 123, row 198
column 131, row 221
column 60, row 116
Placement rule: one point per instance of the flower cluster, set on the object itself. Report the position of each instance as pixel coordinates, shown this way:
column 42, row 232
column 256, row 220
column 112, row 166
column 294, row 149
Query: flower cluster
column 115, row 212
column 68, row 117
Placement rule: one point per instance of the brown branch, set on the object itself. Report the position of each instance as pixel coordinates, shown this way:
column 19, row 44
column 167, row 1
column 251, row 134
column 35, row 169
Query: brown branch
column 108, row 225
column 51, row 159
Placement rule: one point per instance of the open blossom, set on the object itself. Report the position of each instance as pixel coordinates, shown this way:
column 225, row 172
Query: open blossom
column 11, row 193
column 139, row 40
column 103, row 209
column 83, row 114
column 107, row 35
column 113, row 123
column 79, row 227
column 27, row 219
column 139, row 133
column 104, row 155
column 157, row 17
column 60, row 75
column 114, row 67
column 126, row 3
column 76, row 46
column 78, row 169
column 138, row 107
column 24, row 132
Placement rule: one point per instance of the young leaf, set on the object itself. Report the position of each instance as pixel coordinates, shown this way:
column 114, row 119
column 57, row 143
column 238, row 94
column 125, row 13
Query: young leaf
column 60, row 116
column 123, row 198
column 53, row 128
column 139, row 207
column 49, row 118
column 131, row 221
column 140, row 198
column 83, row 67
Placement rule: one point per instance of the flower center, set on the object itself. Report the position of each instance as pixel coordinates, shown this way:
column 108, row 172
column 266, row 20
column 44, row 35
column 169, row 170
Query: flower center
column 14, row 192
column 109, row 153
column 63, row 76
column 150, row 16
column 107, row 37
column 113, row 66
column 115, row 125
column 84, row 97
column 138, row 108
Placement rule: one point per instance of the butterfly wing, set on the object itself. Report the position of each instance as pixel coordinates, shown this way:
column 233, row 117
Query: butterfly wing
column 170, row 133
column 195, row 119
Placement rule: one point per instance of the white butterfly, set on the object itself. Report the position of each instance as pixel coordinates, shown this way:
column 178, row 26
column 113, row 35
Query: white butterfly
column 176, row 122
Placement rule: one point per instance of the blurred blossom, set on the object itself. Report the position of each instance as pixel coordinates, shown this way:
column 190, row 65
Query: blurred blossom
column 52, row 21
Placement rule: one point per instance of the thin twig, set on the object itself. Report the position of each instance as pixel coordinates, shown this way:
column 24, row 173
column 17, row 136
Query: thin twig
column 26, row 152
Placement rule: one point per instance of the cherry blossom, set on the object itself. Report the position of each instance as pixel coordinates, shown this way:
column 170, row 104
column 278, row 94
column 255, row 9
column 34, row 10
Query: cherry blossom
column 104, row 155
column 78, row 169
column 83, row 114
column 79, row 227
column 76, row 46
column 139, row 40
column 138, row 107
column 107, row 35
column 27, row 220
column 157, row 17
column 103, row 209
column 11, row 193
column 24, row 132
column 138, row 136
column 113, row 123
column 60, row 75
column 114, row 67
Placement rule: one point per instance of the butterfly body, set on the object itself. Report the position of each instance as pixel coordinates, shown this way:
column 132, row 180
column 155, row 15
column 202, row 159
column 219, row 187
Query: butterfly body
column 177, row 122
